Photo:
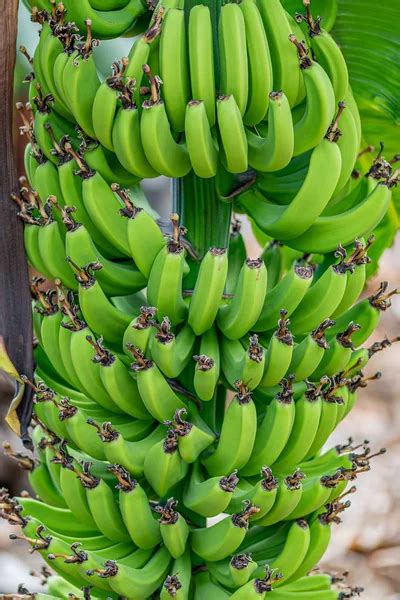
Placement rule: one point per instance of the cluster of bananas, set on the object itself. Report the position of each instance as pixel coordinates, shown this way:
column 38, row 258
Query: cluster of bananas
column 137, row 340
column 146, row 125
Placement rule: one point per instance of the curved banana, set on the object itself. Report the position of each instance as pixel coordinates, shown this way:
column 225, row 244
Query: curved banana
column 174, row 68
column 273, row 432
column 234, row 72
column 352, row 223
column 320, row 103
column 201, row 59
column 273, row 152
column 286, row 222
column 240, row 418
column 223, row 538
column 208, row 497
column 259, row 64
column 200, row 142
column 207, row 293
column 165, row 155
column 207, row 368
column 105, row 104
column 238, row 317
column 233, row 142
column 285, row 66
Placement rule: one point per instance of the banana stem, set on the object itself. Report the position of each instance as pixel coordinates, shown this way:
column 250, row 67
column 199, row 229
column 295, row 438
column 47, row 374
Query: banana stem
column 206, row 218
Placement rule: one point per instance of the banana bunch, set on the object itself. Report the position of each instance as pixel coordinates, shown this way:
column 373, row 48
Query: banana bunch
column 162, row 111
column 142, row 327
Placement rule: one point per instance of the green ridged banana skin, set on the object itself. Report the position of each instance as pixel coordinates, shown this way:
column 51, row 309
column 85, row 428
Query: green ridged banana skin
column 232, row 134
column 174, row 67
column 241, row 419
column 233, row 54
column 238, row 317
column 200, row 141
column 259, row 64
column 207, row 294
column 285, row 65
column 201, row 59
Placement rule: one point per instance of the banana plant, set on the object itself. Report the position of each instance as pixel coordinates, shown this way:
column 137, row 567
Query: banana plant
column 185, row 391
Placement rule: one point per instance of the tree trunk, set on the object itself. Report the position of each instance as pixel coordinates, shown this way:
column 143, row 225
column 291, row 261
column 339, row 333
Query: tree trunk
column 15, row 301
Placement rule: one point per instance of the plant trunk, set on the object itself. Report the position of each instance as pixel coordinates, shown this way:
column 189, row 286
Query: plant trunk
column 15, row 300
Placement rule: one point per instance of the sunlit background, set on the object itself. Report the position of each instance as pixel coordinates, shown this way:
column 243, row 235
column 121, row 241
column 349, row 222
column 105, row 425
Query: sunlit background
column 367, row 543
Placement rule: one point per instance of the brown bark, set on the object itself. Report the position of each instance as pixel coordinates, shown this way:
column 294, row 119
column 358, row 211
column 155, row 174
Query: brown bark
column 15, row 301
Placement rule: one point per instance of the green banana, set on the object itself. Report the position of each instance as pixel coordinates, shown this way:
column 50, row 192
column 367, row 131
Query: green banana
column 129, row 454
column 207, row 368
column 208, row 497
column 233, row 573
column 327, row 52
column 208, row 291
column 339, row 353
column 352, row 223
column 126, row 139
column 136, row 582
column 311, row 127
column 178, row 585
column 262, row 494
column 305, row 426
column 193, row 437
column 366, row 313
column 174, row 67
column 155, row 391
column 201, row 59
column 290, row 222
column 248, row 365
column 240, row 420
column 287, row 294
column 136, row 510
column 308, row 354
column 221, row 539
column 259, row 67
column 237, row 317
column 171, row 352
column 103, row 506
column 274, row 430
column 289, row 494
column 118, row 381
column 233, row 55
column 173, row 528
column 164, row 154
column 80, row 73
column 293, row 552
column 200, row 142
column 279, row 354
column 273, row 152
column 163, row 465
column 233, row 142
column 105, row 104
column 139, row 330
column 164, row 289
column 322, row 298
column 101, row 316
column 115, row 278
column 285, row 66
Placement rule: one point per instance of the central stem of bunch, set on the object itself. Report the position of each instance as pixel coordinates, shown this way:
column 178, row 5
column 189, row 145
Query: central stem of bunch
column 196, row 200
